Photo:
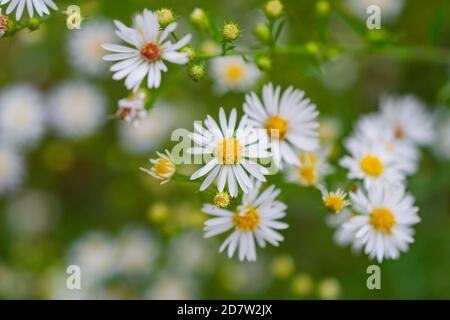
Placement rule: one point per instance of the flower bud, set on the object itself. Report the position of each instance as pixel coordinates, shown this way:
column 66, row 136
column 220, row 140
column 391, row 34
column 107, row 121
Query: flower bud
column 230, row 31
column 264, row 63
column 262, row 32
column 273, row 9
column 33, row 24
column 199, row 18
column 165, row 16
column 222, row 200
column 312, row 48
column 197, row 72
column 190, row 50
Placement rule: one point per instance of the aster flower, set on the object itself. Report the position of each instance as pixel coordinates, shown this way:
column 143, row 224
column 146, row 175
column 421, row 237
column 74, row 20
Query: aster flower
column 234, row 153
column 22, row 116
column 256, row 219
column 290, row 121
column 343, row 237
column 335, row 201
column 384, row 226
column 3, row 24
column 312, row 169
column 233, row 73
column 76, row 109
column 371, row 163
column 409, row 119
column 163, row 167
column 41, row 7
column 132, row 109
column 149, row 48
column 11, row 169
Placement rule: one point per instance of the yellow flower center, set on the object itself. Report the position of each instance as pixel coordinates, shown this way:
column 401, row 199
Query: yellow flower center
column 164, row 167
column 382, row 219
column 372, row 165
column 277, row 127
column 229, row 151
column 247, row 222
column 308, row 158
column 234, row 73
column 222, row 200
column 308, row 174
column 334, row 202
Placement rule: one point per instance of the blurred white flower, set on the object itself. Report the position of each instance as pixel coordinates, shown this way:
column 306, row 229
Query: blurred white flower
column 255, row 220
column 343, row 237
column 151, row 47
column 11, row 169
column 384, row 224
column 132, row 108
column 232, row 73
column 76, row 109
column 169, row 286
column 41, row 7
column 389, row 8
column 312, row 170
column 341, row 73
column 290, row 121
column 31, row 214
column 94, row 253
column 84, row 47
column 151, row 132
column 441, row 145
column 22, row 117
column 137, row 251
column 246, row 278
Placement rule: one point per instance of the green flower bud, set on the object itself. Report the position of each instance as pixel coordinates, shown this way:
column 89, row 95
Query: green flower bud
column 197, row 72
column 165, row 16
column 273, row 9
column 190, row 50
column 199, row 18
column 264, row 63
column 33, row 24
column 262, row 32
column 323, row 8
column 312, row 48
column 230, row 31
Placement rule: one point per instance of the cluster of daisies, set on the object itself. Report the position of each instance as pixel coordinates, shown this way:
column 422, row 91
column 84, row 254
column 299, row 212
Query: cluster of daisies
column 275, row 132
column 383, row 151
column 72, row 110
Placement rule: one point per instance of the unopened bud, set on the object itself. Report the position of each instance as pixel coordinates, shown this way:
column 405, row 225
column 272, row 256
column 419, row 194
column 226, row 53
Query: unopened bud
column 230, row 31
column 165, row 16
column 199, row 18
column 197, row 72
column 264, row 63
column 273, row 9
column 33, row 24
column 262, row 32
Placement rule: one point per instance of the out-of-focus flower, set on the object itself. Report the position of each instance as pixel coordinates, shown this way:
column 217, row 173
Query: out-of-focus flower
column 441, row 145
column 246, row 278
column 163, row 167
column 283, row 266
column 3, row 24
column 32, row 214
column 255, row 220
column 329, row 131
column 41, row 7
column 234, row 152
column 233, row 73
column 335, row 201
column 15, row 284
column 209, row 47
column 230, row 31
column 312, row 170
column 171, row 286
column 76, row 109
column 94, row 253
column 273, row 9
column 11, row 169
column 329, row 289
column 222, row 200
column 22, row 117
column 343, row 237
column 384, row 226
column 340, row 73
column 136, row 251
column 408, row 119
column 302, row 285
column 132, row 108
column 151, row 132
column 151, row 47
column 199, row 18
column 84, row 47
column 290, row 121
column 389, row 9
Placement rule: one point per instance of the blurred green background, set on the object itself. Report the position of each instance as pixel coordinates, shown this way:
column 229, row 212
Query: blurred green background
column 94, row 184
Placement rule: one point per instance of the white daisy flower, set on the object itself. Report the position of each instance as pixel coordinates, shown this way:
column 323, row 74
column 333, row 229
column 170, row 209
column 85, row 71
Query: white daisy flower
column 22, row 118
column 233, row 73
column 76, row 109
column 151, row 47
column 335, row 201
column 163, row 167
column 373, row 130
column 255, row 220
column 389, row 9
column 343, row 237
column 132, row 108
column 41, row 7
column 371, row 163
column 384, row 226
column 312, row 169
column 409, row 119
column 11, row 169
column 234, row 153
column 85, row 47
column 290, row 121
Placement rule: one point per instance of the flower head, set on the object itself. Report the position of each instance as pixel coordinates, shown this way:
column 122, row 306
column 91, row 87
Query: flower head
column 222, row 200
column 131, row 109
column 165, row 16
column 290, row 121
column 163, row 167
column 150, row 48
column 230, row 31
column 256, row 219
column 41, row 7
column 335, row 201
column 234, row 151
column 3, row 24
column 311, row 171
column 11, row 169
